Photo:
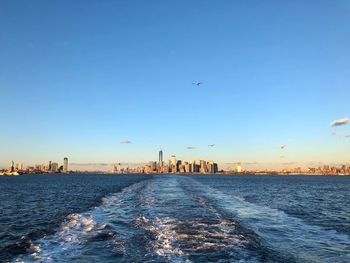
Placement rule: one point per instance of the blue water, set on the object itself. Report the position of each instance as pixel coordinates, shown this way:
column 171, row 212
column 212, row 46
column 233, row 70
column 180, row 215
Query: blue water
column 173, row 218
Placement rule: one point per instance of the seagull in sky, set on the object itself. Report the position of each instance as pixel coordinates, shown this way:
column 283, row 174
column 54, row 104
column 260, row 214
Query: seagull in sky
column 283, row 146
column 211, row 145
column 197, row 83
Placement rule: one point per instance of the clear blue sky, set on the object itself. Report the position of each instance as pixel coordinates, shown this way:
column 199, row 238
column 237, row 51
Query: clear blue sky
column 79, row 77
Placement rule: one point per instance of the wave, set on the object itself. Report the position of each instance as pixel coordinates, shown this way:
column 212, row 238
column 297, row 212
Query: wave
column 77, row 230
column 164, row 238
column 284, row 233
column 178, row 219
column 187, row 231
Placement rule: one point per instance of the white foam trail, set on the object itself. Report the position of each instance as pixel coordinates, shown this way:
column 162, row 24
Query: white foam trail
column 287, row 234
column 74, row 231
column 67, row 243
column 164, row 237
column 163, row 243
column 174, row 239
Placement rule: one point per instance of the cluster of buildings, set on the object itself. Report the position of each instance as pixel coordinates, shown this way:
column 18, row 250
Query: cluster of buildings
column 321, row 170
column 172, row 166
column 330, row 170
column 176, row 166
column 51, row 167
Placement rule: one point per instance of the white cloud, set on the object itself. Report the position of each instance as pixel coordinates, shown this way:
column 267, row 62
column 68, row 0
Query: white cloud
column 339, row 122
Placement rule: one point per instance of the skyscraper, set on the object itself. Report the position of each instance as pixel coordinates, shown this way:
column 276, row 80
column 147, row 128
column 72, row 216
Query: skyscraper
column 160, row 158
column 173, row 164
column 203, row 166
column 19, row 166
column 12, row 167
column 65, row 165
column 238, row 168
column 54, row 167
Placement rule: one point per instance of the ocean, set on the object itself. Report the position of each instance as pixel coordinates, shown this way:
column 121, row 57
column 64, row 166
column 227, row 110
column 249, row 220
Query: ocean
column 174, row 218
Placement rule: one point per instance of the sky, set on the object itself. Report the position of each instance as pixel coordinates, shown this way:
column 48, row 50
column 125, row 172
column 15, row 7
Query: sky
column 80, row 78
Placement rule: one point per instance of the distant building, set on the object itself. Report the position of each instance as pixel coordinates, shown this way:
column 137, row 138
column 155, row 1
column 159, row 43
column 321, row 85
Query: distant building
column 216, row 168
column 19, row 166
column 212, row 167
column 192, row 166
column 238, row 168
column 203, row 166
column 182, row 168
column 45, row 168
column 54, row 167
column 12, row 167
column 178, row 165
column 65, row 165
column 160, row 158
column 187, row 167
column 173, row 164
column 153, row 166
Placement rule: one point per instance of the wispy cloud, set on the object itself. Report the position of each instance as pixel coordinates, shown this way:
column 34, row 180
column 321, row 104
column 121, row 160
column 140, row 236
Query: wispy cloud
column 90, row 164
column 125, row 142
column 347, row 136
column 105, row 164
column 244, row 163
column 333, row 133
column 290, row 163
column 190, row 147
column 253, row 163
column 339, row 122
column 211, row 145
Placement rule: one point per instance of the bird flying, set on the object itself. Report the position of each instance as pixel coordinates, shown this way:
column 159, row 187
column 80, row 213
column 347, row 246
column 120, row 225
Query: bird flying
column 190, row 147
column 211, row 145
column 283, row 146
column 197, row 83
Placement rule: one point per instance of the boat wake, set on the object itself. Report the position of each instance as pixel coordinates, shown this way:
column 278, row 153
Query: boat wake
column 178, row 219
column 286, row 234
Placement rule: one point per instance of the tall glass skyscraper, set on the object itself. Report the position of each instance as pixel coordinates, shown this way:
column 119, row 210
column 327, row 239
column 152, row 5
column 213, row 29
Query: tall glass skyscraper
column 65, row 165
column 161, row 158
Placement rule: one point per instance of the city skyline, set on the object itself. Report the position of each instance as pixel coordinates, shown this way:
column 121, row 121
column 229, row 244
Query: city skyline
column 234, row 82
column 238, row 166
